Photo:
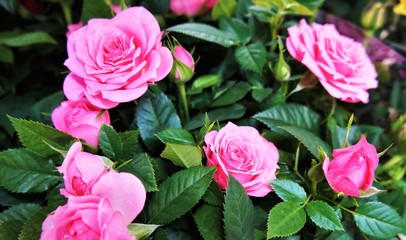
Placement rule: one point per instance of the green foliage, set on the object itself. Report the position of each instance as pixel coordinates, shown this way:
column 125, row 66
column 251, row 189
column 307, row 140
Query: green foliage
column 236, row 29
column 178, row 194
column 323, row 215
column 289, row 191
column 10, row 229
column 27, row 39
column 209, row 222
column 238, row 212
column 6, row 54
column 141, row 231
column 19, row 212
column 230, row 94
column 129, row 140
column 95, row 9
column 223, row 8
column 183, row 155
column 285, row 219
column 110, row 142
column 213, row 195
column 176, row 136
column 251, row 57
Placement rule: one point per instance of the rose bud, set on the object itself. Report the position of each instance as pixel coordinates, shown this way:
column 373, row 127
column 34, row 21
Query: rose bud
column 184, row 65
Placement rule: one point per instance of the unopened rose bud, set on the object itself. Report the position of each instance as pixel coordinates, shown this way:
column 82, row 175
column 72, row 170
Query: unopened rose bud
column 281, row 69
column 374, row 16
column 184, row 65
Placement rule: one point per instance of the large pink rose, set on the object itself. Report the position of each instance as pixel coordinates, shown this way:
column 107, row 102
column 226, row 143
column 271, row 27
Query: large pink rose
column 191, row 8
column 114, row 60
column 352, row 168
column 80, row 170
column 85, row 217
column 80, row 119
column 340, row 63
column 242, row 152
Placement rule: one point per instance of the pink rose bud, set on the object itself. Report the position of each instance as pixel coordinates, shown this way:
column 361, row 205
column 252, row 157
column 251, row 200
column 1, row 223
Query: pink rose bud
column 341, row 64
column 80, row 119
column 115, row 60
column 242, row 152
column 191, row 8
column 352, row 168
column 80, row 170
column 85, row 217
column 184, row 65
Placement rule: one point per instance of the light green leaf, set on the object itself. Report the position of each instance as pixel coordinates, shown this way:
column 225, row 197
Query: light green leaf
column 142, row 168
column 20, row 212
column 203, row 82
column 183, row 155
column 110, row 142
column 379, row 220
column 37, row 137
column 235, row 29
column 231, row 94
column 176, row 136
column 289, row 191
column 178, row 194
column 95, row 9
column 308, row 139
column 223, row 8
column 208, row 220
column 293, row 7
column 141, row 231
column 6, row 54
column 285, row 219
column 239, row 218
column 22, row 171
column 251, row 57
column 204, row 32
column 290, row 114
column 27, row 39
column 323, row 215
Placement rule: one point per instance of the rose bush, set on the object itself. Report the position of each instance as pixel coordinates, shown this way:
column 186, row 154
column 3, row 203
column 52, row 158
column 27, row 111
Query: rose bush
column 242, row 152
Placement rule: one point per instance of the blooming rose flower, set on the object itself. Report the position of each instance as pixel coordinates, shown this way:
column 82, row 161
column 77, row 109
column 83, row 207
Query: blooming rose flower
column 114, row 60
column 352, row 168
column 80, row 119
column 245, row 154
column 341, row 64
column 191, row 8
column 85, row 217
column 183, row 60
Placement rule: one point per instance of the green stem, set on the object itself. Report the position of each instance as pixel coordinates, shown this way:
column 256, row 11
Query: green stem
column 66, row 11
column 295, row 168
column 183, row 100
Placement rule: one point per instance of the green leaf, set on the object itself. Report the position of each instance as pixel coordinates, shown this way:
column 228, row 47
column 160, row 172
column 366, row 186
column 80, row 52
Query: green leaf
column 31, row 229
column 22, row 171
column 6, row 54
column 141, row 231
column 20, row 212
column 110, row 142
column 129, row 139
column 236, row 29
column 323, row 215
column 142, row 168
column 183, row 155
column 339, row 235
column 290, row 114
column 285, row 219
column 251, row 57
column 95, row 9
column 203, row 82
column 289, row 191
column 260, row 94
column 176, row 136
column 154, row 114
column 208, row 220
column 293, row 7
column 36, row 136
column 27, row 39
column 10, row 229
column 213, row 195
column 231, row 94
column 234, row 111
column 239, row 218
column 223, row 8
column 204, row 32
column 308, row 139
column 313, row 5
column 41, row 111
column 178, row 194
column 379, row 220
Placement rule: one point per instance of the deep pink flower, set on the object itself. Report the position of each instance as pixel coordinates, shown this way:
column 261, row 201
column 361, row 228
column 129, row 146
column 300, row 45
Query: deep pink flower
column 191, row 8
column 242, row 152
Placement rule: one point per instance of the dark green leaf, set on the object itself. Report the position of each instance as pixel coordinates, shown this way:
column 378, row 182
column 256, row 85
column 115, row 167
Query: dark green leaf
column 6, row 54
column 379, row 220
column 141, row 231
column 22, row 171
column 154, row 114
column 231, row 94
column 157, row 7
column 289, row 191
column 204, row 32
column 26, row 39
column 209, row 222
column 36, row 136
column 141, row 167
column 239, row 219
column 10, row 229
column 176, row 136
column 20, row 212
column 308, row 139
column 251, row 57
column 223, row 8
column 235, row 29
column 95, row 9
column 260, row 94
column 214, row 195
column 285, row 219
column 374, row 134
column 183, row 155
column 31, row 229
column 110, row 142
column 323, row 215
column 339, row 235
column 41, row 111
column 8, row 198
column 290, row 114
column 178, row 194
column 129, row 139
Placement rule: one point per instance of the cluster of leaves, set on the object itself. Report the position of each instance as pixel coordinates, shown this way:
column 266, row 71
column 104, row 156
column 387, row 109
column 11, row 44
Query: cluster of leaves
column 152, row 138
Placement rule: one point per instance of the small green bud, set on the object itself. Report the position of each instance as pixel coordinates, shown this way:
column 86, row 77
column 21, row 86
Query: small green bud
column 281, row 69
column 374, row 16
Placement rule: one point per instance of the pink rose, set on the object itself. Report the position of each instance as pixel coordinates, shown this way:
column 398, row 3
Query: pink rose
column 352, row 168
column 245, row 154
column 191, row 8
column 80, row 170
column 184, row 65
column 114, row 60
column 80, row 119
column 341, row 64
column 85, row 217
